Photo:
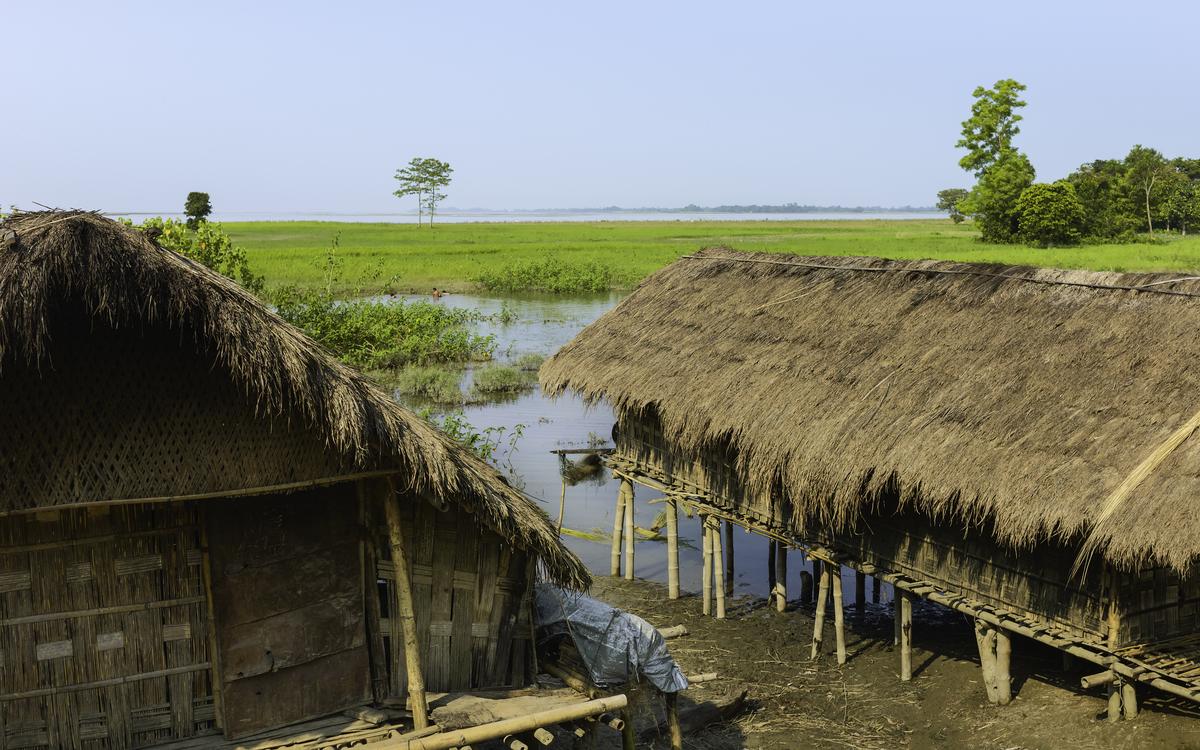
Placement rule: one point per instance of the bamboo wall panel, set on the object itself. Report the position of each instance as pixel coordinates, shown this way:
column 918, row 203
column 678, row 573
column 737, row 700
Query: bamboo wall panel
column 119, row 416
column 288, row 594
column 103, row 629
column 1158, row 604
column 470, row 598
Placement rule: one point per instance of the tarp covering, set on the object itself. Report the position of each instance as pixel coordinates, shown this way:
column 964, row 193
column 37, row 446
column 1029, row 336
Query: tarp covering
column 616, row 647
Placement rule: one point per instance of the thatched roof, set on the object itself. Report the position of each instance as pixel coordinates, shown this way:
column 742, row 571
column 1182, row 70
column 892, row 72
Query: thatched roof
column 1017, row 398
column 118, row 275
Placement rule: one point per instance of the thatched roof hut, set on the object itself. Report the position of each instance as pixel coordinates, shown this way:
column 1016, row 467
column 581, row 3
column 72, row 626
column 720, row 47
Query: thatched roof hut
column 1013, row 397
column 59, row 264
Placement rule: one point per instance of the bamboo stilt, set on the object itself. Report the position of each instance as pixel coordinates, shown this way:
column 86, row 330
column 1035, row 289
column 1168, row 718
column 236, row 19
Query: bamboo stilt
column 1129, row 700
column 630, row 538
column 729, row 569
column 706, row 571
column 905, row 636
column 673, row 727
column 806, row 586
column 896, row 615
column 771, row 545
column 860, row 594
column 718, row 569
column 781, row 595
column 1114, row 700
column 1003, row 675
column 672, row 549
column 819, row 620
column 839, row 614
column 562, row 505
column 618, row 525
column 875, row 586
column 985, row 640
column 404, row 609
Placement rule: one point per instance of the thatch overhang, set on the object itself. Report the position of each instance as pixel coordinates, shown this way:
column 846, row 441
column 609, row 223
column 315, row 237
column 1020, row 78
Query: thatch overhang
column 1037, row 403
column 122, row 278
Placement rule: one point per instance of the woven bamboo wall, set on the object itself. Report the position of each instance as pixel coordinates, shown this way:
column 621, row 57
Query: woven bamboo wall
column 471, row 598
column 103, row 640
column 1157, row 604
column 133, row 414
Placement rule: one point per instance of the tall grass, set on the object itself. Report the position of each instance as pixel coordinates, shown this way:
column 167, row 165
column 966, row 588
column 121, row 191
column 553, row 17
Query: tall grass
column 434, row 384
column 499, row 379
column 550, row 274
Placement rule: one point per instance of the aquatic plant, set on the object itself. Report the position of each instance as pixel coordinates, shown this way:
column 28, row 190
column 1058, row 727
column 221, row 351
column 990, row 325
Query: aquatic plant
column 550, row 273
column 435, row 384
column 501, row 379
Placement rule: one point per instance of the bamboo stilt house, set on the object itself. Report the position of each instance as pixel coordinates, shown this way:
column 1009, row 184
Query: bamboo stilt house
column 1017, row 443
column 193, row 497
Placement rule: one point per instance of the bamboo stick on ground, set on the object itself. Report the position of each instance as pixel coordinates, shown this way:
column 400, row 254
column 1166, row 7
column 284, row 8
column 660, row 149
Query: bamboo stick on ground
column 672, row 549
column 618, row 525
column 404, row 609
column 630, row 538
column 718, row 569
column 819, row 620
column 706, row 569
column 495, row 729
column 729, row 569
column 839, row 614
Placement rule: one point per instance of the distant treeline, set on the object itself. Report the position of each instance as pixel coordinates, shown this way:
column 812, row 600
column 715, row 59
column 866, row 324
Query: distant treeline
column 754, row 208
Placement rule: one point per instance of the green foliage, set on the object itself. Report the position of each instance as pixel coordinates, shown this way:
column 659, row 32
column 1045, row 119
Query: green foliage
column 207, row 244
column 948, row 201
column 993, row 201
column 1144, row 169
column 1108, row 212
column 1050, row 214
column 435, row 384
column 987, row 134
column 197, row 207
column 374, row 334
column 551, row 273
column 424, row 178
column 529, row 362
column 500, row 379
column 484, row 443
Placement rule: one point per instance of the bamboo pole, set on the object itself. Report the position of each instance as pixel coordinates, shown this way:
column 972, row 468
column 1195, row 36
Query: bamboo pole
column 496, row 729
column 672, row 549
column 819, row 620
column 718, row 569
column 628, row 735
column 781, row 553
column 729, row 569
column 1003, row 675
column 905, row 636
column 1114, row 699
column 214, row 657
column 404, row 609
column 896, row 615
column 618, row 525
column 706, row 570
column 1129, row 699
column 771, row 545
column 630, row 538
column 839, row 614
column 860, row 594
column 562, row 505
column 676, row 731
column 985, row 640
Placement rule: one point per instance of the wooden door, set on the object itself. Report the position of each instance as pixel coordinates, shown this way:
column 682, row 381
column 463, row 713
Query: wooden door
column 288, row 597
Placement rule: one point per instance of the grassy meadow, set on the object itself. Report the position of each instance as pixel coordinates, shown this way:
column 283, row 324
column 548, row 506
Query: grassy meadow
column 618, row 254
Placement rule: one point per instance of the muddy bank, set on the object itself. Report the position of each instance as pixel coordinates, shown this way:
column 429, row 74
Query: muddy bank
column 795, row 702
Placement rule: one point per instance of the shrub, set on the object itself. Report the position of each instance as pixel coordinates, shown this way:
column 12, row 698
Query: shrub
column 993, row 201
column 1050, row 214
column 529, row 362
column 207, row 244
column 550, row 274
column 501, row 380
column 432, row 383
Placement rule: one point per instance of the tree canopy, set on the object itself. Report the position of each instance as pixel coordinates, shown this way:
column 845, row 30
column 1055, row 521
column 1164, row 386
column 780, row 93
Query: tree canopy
column 425, row 178
column 196, row 208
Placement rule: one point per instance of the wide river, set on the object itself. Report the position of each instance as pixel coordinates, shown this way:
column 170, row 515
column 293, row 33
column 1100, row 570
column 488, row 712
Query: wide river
column 468, row 217
column 543, row 325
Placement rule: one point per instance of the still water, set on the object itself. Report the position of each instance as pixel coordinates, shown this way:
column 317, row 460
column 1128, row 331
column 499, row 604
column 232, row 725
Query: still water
column 543, row 325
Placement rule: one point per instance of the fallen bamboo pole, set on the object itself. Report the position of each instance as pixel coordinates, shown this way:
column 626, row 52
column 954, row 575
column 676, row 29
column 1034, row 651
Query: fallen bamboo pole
column 819, row 620
column 618, row 525
column 402, row 575
column 781, row 552
column 718, row 569
column 495, row 729
column 839, row 614
column 706, row 567
column 630, row 538
column 673, row 632
column 672, row 549
column 729, row 568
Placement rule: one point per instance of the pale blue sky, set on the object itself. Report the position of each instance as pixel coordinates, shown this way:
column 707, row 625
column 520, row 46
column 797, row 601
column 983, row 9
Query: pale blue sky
column 311, row 106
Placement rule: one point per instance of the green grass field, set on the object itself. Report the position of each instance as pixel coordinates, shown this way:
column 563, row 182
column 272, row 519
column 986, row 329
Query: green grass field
column 452, row 256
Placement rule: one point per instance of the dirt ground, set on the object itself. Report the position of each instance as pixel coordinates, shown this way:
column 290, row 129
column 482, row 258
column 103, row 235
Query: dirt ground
column 797, row 703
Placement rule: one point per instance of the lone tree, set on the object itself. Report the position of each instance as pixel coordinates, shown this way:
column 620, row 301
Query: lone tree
column 1002, row 171
column 196, row 208
column 948, row 201
column 1146, row 168
column 424, row 178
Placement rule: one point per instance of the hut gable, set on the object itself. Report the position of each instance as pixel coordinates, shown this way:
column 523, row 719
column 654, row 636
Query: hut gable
column 77, row 279
column 1015, row 398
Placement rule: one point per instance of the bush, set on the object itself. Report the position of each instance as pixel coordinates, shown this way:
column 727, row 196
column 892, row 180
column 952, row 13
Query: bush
column 993, row 201
column 1050, row 214
column 529, row 362
column 501, row 380
column 207, row 244
column 550, row 274
column 432, row 383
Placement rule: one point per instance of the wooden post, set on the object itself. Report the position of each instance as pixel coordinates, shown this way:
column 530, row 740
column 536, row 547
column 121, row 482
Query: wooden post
column 672, row 549
column 875, row 589
column 839, row 614
column 905, row 636
column 781, row 553
column 729, row 569
column 618, row 524
column 771, row 544
column 706, row 572
column 985, row 640
column 896, row 614
column 860, row 594
column 718, row 569
column 404, row 608
column 562, row 505
column 1003, row 660
column 1114, row 698
column 819, row 620
column 1129, row 699
column 214, row 654
column 806, row 586
column 630, row 537
column 375, row 648
column 676, row 732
